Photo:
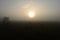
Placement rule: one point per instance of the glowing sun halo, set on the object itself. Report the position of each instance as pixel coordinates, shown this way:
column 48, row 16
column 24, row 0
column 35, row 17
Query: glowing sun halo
column 31, row 14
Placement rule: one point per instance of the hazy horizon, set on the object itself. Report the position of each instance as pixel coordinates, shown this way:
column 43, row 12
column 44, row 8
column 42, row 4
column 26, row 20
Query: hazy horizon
column 46, row 10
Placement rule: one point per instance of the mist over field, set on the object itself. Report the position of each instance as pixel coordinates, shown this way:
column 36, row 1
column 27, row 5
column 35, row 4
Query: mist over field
column 30, row 19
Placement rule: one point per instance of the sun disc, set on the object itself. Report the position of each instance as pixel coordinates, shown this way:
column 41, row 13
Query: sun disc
column 31, row 14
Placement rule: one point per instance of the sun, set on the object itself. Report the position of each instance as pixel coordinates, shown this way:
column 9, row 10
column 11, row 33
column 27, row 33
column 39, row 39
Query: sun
column 31, row 14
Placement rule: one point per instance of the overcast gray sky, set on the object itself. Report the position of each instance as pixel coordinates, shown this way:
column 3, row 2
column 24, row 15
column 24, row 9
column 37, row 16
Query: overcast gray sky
column 11, row 8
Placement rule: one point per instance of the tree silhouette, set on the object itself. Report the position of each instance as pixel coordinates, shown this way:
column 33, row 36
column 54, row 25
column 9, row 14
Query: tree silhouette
column 6, row 20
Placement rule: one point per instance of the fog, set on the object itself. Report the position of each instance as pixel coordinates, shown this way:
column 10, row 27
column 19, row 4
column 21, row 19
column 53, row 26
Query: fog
column 46, row 10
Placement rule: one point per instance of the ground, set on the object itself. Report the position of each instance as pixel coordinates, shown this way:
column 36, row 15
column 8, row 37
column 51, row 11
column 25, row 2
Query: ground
column 32, row 30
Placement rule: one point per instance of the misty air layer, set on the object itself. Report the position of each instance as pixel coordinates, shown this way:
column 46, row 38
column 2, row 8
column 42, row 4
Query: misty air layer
column 44, row 10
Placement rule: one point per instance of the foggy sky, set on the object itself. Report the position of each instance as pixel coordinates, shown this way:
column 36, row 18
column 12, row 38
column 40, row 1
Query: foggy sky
column 11, row 9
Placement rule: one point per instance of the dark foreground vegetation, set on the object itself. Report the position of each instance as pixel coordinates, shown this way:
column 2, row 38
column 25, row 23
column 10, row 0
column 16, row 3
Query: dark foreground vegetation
column 30, row 30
